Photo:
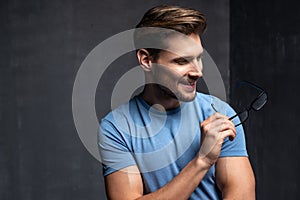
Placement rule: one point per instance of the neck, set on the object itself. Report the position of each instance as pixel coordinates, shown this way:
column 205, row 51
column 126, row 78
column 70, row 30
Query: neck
column 158, row 98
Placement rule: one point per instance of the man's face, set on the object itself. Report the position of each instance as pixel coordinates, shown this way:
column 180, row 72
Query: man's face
column 177, row 73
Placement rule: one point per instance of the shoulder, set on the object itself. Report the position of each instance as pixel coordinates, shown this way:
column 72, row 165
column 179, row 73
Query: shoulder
column 122, row 110
column 114, row 128
column 122, row 118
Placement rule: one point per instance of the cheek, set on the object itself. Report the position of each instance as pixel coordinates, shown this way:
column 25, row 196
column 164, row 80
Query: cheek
column 172, row 77
column 169, row 72
column 201, row 65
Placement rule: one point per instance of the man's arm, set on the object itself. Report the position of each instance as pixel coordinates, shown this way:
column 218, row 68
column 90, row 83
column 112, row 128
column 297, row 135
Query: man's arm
column 235, row 178
column 127, row 184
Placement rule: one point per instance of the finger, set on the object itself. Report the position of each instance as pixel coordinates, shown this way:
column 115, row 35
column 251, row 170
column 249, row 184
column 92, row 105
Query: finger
column 218, row 116
column 213, row 117
column 227, row 124
column 228, row 133
column 224, row 125
column 216, row 124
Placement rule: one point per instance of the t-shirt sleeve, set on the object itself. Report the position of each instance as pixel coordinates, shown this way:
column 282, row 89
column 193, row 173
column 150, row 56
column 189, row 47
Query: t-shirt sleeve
column 237, row 147
column 114, row 148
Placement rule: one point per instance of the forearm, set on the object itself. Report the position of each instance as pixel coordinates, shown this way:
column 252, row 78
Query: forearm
column 182, row 186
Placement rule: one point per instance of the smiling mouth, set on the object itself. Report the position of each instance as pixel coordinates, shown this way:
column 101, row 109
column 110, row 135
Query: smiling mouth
column 189, row 85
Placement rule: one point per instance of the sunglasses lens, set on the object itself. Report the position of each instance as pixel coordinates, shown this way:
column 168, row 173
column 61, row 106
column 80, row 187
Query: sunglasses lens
column 260, row 102
column 243, row 116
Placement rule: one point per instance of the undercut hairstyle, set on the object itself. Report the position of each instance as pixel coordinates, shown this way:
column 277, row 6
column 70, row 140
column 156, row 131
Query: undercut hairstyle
column 184, row 20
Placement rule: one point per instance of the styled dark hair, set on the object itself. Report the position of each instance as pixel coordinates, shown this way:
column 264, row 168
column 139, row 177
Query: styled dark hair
column 184, row 20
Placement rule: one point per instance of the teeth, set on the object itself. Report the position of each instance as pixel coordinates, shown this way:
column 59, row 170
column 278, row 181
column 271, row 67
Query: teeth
column 189, row 83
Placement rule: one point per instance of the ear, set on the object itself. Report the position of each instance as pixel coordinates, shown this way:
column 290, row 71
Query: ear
column 144, row 59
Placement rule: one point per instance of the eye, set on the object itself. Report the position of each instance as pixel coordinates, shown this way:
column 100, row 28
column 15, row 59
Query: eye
column 181, row 61
column 199, row 57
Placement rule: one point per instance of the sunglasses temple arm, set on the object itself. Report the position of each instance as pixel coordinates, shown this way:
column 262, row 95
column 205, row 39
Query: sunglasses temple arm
column 231, row 118
column 250, row 84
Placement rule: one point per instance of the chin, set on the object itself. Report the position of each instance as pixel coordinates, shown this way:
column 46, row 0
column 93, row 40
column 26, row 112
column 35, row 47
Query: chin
column 186, row 97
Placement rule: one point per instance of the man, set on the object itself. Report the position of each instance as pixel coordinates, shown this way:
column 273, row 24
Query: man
column 168, row 142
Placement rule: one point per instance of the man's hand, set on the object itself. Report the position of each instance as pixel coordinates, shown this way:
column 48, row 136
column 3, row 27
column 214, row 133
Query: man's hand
column 213, row 132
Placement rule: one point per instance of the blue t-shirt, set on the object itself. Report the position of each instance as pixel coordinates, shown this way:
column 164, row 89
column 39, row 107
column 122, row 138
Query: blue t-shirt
column 162, row 143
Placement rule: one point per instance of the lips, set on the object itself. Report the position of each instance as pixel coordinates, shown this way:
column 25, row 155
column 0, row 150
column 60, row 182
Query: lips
column 189, row 86
column 188, row 83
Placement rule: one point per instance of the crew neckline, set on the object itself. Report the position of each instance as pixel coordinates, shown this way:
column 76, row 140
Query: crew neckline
column 156, row 111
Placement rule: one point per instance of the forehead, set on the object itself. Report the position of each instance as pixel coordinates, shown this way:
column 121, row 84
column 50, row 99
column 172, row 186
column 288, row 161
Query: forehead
column 183, row 45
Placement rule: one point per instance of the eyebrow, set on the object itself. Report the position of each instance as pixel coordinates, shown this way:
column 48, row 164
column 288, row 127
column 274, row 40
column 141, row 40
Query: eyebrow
column 188, row 57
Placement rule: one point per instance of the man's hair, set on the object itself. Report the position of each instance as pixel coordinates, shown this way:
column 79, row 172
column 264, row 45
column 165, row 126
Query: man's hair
column 184, row 20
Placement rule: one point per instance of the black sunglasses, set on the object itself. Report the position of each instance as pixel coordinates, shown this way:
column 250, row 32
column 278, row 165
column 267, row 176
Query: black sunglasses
column 256, row 104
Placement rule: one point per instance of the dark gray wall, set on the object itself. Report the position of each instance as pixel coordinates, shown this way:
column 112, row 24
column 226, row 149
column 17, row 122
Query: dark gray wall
column 42, row 44
column 264, row 49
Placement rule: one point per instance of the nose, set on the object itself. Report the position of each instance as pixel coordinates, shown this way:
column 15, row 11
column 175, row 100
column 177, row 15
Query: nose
column 196, row 70
column 195, row 75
